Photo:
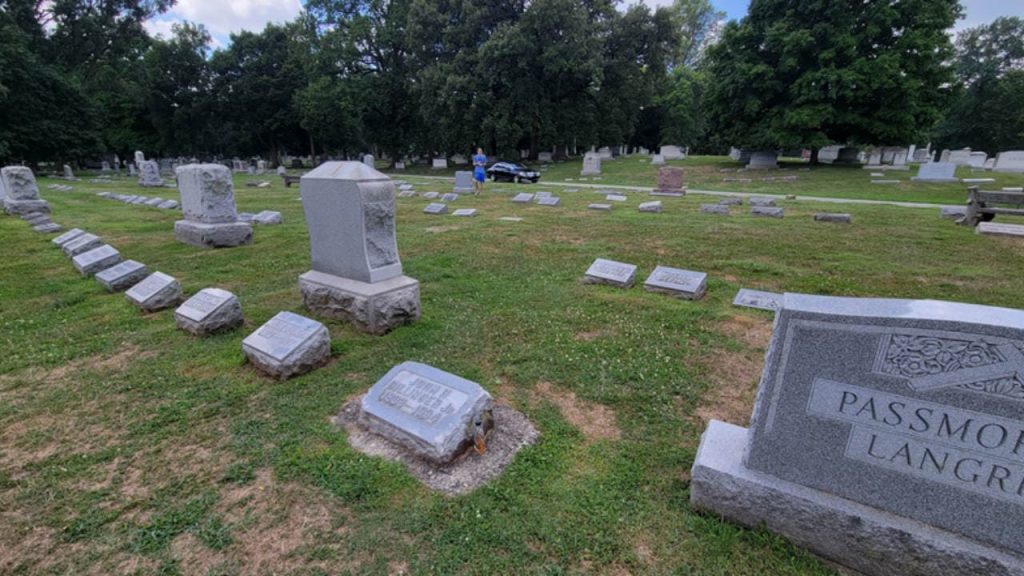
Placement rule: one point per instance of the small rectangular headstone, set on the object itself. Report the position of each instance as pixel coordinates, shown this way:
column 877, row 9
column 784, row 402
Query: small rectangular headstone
column 542, row 194
column 66, row 237
column 210, row 310
column 407, row 194
column 288, row 345
column 95, row 260
column 465, row 212
column 731, row 201
column 434, row 414
column 549, row 201
column 678, row 283
column 953, row 212
column 767, row 211
column 268, row 218
column 610, row 272
column 523, row 198
column 449, row 197
column 429, row 195
column 156, row 292
column 885, row 181
column 601, row 207
column 48, row 228
column 436, row 208
column 833, row 217
column 756, row 201
column 616, row 198
column 123, row 276
column 721, row 209
column 654, row 206
column 759, row 299
column 977, row 180
column 994, row 229
column 936, row 172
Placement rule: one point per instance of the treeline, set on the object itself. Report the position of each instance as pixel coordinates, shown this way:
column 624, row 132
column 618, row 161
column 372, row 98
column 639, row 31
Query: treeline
column 80, row 79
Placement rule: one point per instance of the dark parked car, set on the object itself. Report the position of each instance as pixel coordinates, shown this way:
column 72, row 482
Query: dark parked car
column 512, row 172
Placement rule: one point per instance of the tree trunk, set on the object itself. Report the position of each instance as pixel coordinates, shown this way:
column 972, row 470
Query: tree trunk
column 814, row 156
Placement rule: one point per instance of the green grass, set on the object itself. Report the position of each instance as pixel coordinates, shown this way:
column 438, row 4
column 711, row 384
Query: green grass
column 705, row 173
column 127, row 446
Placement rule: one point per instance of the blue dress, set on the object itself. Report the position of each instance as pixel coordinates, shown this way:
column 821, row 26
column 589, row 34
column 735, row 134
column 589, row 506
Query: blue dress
column 479, row 161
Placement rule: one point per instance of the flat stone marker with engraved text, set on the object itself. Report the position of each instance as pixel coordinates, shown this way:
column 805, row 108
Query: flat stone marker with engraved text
column 610, row 272
column 523, row 198
column 156, row 292
column 430, row 412
column 684, row 284
column 211, row 310
column 96, row 260
column 81, row 243
column 288, row 345
column 63, row 239
column 888, row 436
column 758, row 299
column 123, row 276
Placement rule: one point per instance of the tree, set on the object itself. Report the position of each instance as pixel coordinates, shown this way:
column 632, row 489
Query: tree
column 807, row 73
column 178, row 83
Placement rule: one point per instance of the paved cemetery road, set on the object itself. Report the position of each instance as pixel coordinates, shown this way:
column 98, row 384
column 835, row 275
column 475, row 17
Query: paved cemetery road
column 616, row 187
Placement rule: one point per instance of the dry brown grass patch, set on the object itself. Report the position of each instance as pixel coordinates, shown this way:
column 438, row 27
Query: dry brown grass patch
column 595, row 421
column 753, row 331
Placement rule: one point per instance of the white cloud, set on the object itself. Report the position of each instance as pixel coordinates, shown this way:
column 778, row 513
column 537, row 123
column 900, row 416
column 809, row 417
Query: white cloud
column 222, row 17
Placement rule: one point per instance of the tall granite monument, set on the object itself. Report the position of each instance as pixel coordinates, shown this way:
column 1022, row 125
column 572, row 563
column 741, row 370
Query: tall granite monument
column 20, row 191
column 208, row 203
column 357, row 275
column 887, row 435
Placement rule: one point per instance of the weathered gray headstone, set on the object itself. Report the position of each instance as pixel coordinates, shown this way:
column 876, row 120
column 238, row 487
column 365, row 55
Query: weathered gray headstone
column 449, row 197
column 436, row 208
column 616, row 198
column 67, row 237
column 768, row 211
column 368, row 160
column 953, row 212
column 211, row 310
column 672, row 153
column 657, row 160
column 654, row 206
column 523, row 198
column 1009, row 161
column 887, row 436
column 685, row 284
column 96, row 260
column 156, row 292
column 756, row 201
column 434, row 414
column 68, row 173
column 208, row 205
column 268, row 218
column 994, row 229
column 600, row 207
column 149, row 174
column 47, row 228
column 407, row 194
column 715, row 209
column 168, row 205
column 288, row 345
column 549, row 201
column 465, row 212
column 759, row 299
column 731, row 201
column 463, row 183
column 936, row 172
column 123, row 276
column 82, row 243
column 610, row 272
column 21, row 191
column 357, row 274
column 833, row 217
column 439, row 164
column 761, row 160
column 542, row 194
column 429, row 195
column 591, row 164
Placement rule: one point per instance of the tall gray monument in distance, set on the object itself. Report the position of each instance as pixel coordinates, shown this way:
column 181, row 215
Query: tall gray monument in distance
column 887, row 435
column 357, row 275
column 208, row 203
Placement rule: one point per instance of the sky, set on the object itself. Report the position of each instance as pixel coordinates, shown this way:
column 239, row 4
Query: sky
column 222, row 17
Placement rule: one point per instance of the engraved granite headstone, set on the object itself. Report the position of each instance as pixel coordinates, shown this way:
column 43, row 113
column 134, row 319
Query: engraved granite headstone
column 999, row 229
column 654, row 206
column 610, row 272
column 357, row 274
column 449, row 197
column 936, row 172
column 616, row 198
column 685, row 284
column 549, row 201
column 208, row 204
column 1009, row 161
column 21, row 193
column 887, row 436
column 288, row 345
column 465, row 212
column 439, row 164
column 523, row 198
column 123, row 276
column 156, row 292
column 211, row 310
column 149, row 174
column 759, row 299
column 67, row 237
column 47, row 228
column 722, row 209
column 429, row 195
column 591, row 164
column 767, row 211
column 96, row 260
column 81, row 243
column 434, row 414
column 670, row 182
column 463, row 183
column 436, row 208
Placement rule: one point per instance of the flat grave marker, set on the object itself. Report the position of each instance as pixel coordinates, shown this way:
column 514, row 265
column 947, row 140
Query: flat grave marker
column 209, row 311
column 766, row 211
column 618, row 274
column 523, row 198
column 465, row 212
column 652, row 207
column 95, row 260
column 122, row 276
column 549, row 201
column 720, row 209
column 436, row 208
column 156, row 292
column 759, row 299
column 678, row 283
column 288, row 345
column 996, row 229
column 66, row 237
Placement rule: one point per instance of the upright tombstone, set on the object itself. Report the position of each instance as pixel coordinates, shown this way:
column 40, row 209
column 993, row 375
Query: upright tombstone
column 439, row 164
column 670, row 182
column 288, row 345
column 156, row 292
column 672, row 153
column 936, row 172
column 657, row 160
column 21, row 193
column 357, row 275
column 433, row 414
column 149, row 174
column 591, row 164
column 977, row 160
column 886, row 437
column 211, row 310
column 368, row 160
column 1009, row 161
column 618, row 274
column 960, row 157
column 463, row 182
column 208, row 203
column 763, row 160
column 544, row 157
column 68, row 174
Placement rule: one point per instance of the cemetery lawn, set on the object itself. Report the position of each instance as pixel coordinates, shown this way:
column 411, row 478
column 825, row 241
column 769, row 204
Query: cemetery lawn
column 127, row 446
column 704, row 173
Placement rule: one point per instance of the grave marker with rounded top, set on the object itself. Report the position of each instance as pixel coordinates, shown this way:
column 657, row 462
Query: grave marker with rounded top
column 156, row 292
column 122, row 276
column 357, row 275
column 96, row 260
column 208, row 204
column 288, row 345
column 610, row 272
column 211, row 310
column 678, row 283
column 432, row 413
column 21, row 191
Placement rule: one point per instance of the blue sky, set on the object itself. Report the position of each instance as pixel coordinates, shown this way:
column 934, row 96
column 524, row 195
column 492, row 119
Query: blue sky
column 222, row 17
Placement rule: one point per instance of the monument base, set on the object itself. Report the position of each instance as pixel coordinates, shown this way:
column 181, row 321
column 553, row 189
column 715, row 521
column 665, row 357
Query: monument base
column 222, row 235
column 860, row 537
column 376, row 308
column 22, row 207
column 590, row 173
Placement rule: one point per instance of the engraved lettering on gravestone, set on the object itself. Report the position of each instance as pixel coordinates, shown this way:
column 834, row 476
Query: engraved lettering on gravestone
column 282, row 335
column 930, row 362
column 423, row 399
column 197, row 307
column 151, row 285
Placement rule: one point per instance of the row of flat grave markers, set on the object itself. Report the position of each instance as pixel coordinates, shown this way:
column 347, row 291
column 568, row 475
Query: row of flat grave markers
column 675, row 282
column 140, row 200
